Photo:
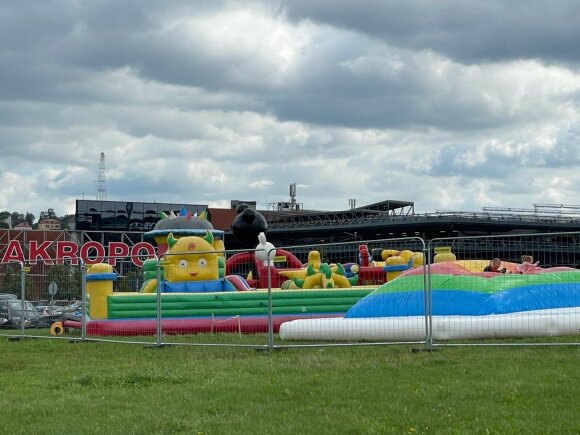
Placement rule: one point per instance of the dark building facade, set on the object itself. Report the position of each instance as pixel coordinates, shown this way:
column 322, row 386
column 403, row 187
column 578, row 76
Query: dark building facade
column 382, row 220
column 390, row 219
column 511, row 230
column 125, row 216
column 397, row 219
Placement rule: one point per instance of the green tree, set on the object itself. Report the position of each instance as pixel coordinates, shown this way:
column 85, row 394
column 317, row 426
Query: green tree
column 65, row 220
column 17, row 218
column 5, row 219
column 11, row 282
column 29, row 218
column 48, row 214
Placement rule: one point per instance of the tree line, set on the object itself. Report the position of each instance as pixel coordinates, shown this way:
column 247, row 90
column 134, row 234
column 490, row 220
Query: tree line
column 11, row 219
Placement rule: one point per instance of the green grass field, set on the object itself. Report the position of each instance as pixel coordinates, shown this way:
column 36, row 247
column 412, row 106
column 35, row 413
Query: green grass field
column 59, row 387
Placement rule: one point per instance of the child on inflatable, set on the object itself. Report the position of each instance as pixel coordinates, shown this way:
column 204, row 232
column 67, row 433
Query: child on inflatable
column 528, row 265
column 494, row 266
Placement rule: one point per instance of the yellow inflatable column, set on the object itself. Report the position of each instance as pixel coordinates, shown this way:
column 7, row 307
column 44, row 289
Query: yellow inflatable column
column 394, row 266
column 100, row 279
column 418, row 259
column 444, row 256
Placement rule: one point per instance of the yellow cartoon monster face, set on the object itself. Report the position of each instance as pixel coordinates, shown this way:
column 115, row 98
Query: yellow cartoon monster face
column 190, row 259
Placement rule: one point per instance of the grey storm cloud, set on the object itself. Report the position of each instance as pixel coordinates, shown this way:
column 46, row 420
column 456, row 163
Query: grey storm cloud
column 208, row 101
column 346, row 80
column 468, row 31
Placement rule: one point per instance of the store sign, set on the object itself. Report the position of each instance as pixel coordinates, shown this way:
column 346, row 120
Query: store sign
column 90, row 252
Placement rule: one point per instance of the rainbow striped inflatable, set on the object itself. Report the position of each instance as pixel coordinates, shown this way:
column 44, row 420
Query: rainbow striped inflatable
column 465, row 303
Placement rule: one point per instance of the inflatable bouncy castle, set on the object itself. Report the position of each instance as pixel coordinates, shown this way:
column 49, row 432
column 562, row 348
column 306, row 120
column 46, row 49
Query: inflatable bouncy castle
column 191, row 292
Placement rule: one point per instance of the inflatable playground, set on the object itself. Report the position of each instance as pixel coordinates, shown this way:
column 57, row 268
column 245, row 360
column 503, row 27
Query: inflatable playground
column 197, row 290
column 464, row 302
column 194, row 288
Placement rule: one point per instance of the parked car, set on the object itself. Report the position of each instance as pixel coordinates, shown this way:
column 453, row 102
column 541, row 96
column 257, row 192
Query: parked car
column 7, row 296
column 13, row 316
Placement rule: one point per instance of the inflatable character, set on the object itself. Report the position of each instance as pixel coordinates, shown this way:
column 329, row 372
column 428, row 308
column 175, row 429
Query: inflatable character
column 327, row 276
column 265, row 251
column 190, row 259
column 191, row 264
column 247, row 225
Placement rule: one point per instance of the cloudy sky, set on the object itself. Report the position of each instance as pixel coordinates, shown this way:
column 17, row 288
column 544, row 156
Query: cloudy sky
column 452, row 105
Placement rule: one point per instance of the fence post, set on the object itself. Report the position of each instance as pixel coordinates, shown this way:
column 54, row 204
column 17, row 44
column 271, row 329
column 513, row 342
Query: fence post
column 428, row 299
column 83, row 299
column 158, row 332
column 22, row 296
column 270, row 322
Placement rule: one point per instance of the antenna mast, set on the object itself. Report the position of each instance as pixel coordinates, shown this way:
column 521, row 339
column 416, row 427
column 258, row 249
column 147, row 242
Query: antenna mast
column 102, row 181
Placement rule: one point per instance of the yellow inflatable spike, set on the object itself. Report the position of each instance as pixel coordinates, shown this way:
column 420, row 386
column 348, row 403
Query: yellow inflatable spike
column 314, row 259
column 313, row 281
column 341, row 281
column 219, row 246
column 150, row 286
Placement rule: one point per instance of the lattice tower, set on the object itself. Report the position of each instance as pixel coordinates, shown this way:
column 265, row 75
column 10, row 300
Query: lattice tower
column 102, row 180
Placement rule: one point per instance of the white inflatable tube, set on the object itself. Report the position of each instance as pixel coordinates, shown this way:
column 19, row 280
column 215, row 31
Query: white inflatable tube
column 561, row 321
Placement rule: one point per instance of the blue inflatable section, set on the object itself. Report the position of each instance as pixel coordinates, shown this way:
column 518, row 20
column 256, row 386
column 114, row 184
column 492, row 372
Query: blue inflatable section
column 219, row 285
column 109, row 276
column 468, row 303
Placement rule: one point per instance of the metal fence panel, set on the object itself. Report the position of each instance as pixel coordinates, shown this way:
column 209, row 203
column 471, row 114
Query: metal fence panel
column 537, row 296
column 42, row 293
column 309, row 295
column 203, row 303
column 113, row 305
column 376, row 262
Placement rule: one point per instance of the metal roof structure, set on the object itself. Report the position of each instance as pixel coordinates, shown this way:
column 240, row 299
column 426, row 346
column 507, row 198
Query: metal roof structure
column 372, row 212
column 391, row 219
